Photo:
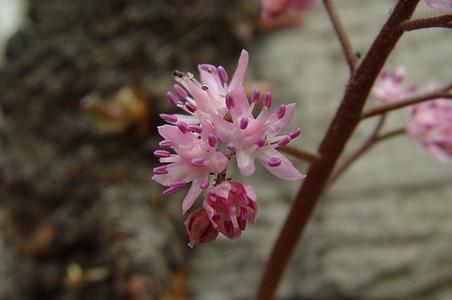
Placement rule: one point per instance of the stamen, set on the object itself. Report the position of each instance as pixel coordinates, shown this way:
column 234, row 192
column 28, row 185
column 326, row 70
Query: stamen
column 165, row 143
column 171, row 98
column 255, row 97
column 281, row 111
column 282, row 143
column 160, row 170
column 168, row 118
column 204, row 183
column 169, row 191
column 223, row 74
column 268, row 100
column 197, row 162
column 229, row 101
column 294, row 133
column 180, row 91
column 178, row 184
column 183, row 127
column 161, row 153
column 231, row 146
column 243, row 123
column 260, row 142
column 212, row 140
column 191, row 107
column 274, row 161
column 195, row 128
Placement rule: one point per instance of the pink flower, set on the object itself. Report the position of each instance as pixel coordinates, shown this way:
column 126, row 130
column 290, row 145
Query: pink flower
column 203, row 98
column 390, row 86
column 196, row 157
column 230, row 205
column 257, row 138
column 199, row 228
column 431, row 124
column 277, row 8
column 444, row 6
column 220, row 116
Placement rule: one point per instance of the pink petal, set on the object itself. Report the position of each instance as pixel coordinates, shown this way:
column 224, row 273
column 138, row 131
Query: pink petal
column 173, row 134
column 276, row 125
column 444, row 6
column 218, row 162
column 193, row 194
column 176, row 172
column 245, row 162
column 241, row 105
column 239, row 74
column 285, row 170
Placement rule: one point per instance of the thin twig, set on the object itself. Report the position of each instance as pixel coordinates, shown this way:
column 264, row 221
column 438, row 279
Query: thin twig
column 342, row 35
column 440, row 93
column 339, row 132
column 300, row 153
column 444, row 21
column 366, row 145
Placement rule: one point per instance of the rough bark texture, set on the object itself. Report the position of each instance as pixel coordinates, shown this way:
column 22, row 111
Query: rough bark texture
column 80, row 218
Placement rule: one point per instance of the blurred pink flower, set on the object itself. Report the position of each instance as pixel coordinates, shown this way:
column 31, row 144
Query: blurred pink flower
column 199, row 228
column 444, row 6
column 390, row 86
column 431, row 124
column 230, row 205
column 277, row 8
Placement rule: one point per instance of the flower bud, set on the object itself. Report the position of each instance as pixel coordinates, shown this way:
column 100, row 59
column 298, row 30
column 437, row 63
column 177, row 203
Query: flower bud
column 199, row 228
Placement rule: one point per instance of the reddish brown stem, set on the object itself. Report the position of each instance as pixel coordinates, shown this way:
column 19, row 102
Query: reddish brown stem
column 440, row 93
column 341, row 128
column 444, row 21
column 342, row 35
column 300, row 153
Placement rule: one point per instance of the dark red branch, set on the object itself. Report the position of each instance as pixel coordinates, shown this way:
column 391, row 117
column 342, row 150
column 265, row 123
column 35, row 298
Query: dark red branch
column 440, row 93
column 341, row 128
column 444, row 21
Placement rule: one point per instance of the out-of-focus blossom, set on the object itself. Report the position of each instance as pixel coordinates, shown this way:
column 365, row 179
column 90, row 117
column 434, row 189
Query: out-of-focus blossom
column 390, row 86
column 277, row 8
column 431, row 124
column 230, row 205
column 199, row 228
column 444, row 6
column 220, row 117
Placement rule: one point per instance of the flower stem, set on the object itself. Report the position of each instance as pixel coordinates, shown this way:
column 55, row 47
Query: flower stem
column 342, row 35
column 341, row 128
column 444, row 21
column 360, row 151
column 300, row 153
column 440, row 93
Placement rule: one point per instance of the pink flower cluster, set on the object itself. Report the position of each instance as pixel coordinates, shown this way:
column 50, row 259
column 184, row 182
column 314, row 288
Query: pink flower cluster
column 444, row 6
column 277, row 8
column 430, row 122
column 219, row 124
column 390, row 86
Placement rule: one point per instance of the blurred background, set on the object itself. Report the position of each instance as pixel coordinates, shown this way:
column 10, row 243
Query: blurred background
column 81, row 86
